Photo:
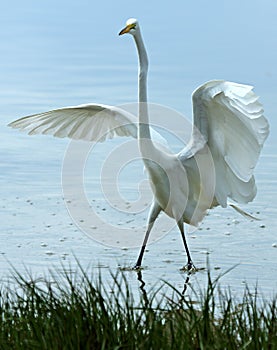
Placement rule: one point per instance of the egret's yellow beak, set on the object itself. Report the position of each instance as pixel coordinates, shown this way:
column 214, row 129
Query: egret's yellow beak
column 126, row 29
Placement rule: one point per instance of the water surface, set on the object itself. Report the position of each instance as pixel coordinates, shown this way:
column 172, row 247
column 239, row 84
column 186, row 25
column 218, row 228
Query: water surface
column 59, row 54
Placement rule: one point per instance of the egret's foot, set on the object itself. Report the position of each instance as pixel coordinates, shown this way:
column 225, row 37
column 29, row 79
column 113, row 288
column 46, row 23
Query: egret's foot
column 189, row 267
column 137, row 268
column 125, row 268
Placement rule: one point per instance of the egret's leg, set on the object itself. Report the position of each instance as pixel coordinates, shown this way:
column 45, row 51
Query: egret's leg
column 138, row 263
column 153, row 214
column 181, row 228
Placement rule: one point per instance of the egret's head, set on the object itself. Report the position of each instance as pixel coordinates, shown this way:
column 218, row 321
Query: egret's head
column 131, row 27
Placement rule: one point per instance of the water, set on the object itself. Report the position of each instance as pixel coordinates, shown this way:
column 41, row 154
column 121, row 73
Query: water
column 59, row 54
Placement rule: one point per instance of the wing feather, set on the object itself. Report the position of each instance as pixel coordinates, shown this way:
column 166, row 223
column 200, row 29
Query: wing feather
column 229, row 119
column 91, row 122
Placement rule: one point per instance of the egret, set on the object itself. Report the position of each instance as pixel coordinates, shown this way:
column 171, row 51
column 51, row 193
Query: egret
column 228, row 125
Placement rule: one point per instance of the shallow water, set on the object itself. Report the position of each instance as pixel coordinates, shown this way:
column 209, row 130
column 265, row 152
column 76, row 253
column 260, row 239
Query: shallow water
column 63, row 54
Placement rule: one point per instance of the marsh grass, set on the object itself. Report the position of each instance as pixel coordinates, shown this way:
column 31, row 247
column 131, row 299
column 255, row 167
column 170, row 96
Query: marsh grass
column 71, row 311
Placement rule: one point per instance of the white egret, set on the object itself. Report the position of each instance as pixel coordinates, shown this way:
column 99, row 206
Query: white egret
column 228, row 124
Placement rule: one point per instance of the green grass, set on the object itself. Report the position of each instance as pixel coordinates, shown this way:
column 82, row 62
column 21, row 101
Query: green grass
column 70, row 311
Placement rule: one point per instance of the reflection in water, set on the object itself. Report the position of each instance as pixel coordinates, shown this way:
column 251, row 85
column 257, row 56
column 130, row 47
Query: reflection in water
column 142, row 285
column 144, row 292
column 185, row 286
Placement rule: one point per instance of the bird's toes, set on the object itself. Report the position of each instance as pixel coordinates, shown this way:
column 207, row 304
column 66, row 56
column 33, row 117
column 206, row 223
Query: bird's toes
column 189, row 267
column 137, row 268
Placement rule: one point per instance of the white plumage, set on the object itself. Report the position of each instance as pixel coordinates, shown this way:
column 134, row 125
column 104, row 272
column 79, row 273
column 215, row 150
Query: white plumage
column 218, row 163
column 87, row 122
column 229, row 118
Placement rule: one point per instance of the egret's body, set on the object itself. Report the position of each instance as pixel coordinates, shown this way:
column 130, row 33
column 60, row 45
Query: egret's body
column 217, row 164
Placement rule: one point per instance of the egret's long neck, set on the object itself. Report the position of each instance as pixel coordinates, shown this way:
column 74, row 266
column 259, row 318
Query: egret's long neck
column 144, row 132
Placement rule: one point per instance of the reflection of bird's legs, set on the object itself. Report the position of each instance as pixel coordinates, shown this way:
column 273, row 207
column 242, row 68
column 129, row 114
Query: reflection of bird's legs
column 154, row 212
column 185, row 287
column 142, row 285
column 181, row 228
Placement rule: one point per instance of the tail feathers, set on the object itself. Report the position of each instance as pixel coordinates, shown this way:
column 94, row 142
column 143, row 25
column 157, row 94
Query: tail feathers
column 243, row 213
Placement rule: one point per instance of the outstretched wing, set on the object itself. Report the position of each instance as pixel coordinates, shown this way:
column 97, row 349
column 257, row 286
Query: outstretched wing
column 90, row 122
column 229, row 119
